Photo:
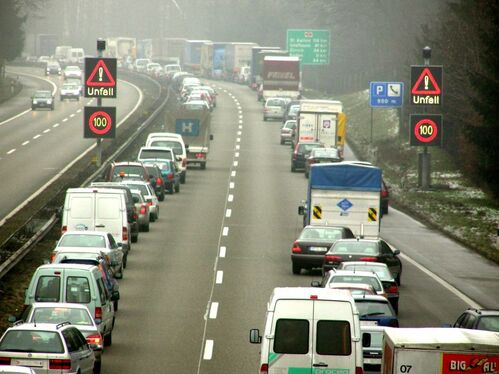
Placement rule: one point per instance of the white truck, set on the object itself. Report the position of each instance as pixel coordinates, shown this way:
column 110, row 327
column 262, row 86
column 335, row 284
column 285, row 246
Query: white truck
column 320, row 121
column 237, row 55
column 440, row 351
column 344, row 194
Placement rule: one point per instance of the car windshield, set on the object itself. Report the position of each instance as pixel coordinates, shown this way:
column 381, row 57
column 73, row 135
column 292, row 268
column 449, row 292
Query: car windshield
column 290, row 124
column 82, row 240
column 141, row 187
column 307, row 147
column 76, row 316
column 275, row 102
column 356, row 247
column 490, row 323
column 294, row 109
column 325, row 153
column 369, row 308
column 128, row 170
column 43, row 94
column 35, row 341
column 372, row 281
column 321, row 233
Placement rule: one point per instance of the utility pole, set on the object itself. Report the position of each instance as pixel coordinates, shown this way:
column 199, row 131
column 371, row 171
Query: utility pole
column 425, row 157
column 101, row 47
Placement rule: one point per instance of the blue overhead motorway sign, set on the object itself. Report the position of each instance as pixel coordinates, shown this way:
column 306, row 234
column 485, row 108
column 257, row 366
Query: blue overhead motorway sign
column 386, row 94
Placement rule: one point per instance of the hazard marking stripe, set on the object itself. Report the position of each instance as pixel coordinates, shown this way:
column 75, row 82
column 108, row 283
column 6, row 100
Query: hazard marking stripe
column 372, row 215
column 317, row 212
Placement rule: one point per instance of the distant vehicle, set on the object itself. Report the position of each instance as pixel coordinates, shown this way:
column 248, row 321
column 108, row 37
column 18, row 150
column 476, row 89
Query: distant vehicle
column 43, row 59
column 42, row 99
column 300, row 153
column 375, row 309
column 176, row 143
column 170, row 70
column 385, row 197
column 62, row 53
column 291, row 111
column 274, row 108
column 479, row 319
column 172, row 176
column 142, row 209
column 76, row 56
column 196, row 105
column 55, row 347
column 154, row 69
column 141, row 64
column 70, row 90
column 117, row 171
column 350, row 276
column 156, row 179
column 372, row 347
column 321, row 155
column 72, row 71
column 281, row 77
column 149, row 196
column 287, row 131
column 53, row 67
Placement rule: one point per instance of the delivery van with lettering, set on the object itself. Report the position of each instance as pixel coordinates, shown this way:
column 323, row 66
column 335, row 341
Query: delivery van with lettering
column 439, row 350
column 313, row 330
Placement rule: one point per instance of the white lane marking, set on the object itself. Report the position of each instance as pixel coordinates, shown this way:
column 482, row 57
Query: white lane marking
column 240, row 121
column 233, row 173
column 11, row 151
column 238, row 146
column 230, row 199
column 36, row 136
column 208, row 350
column 26, row 142
column 445, row 284
column 78, row 111
column 220, row 277
column 236, row 163
column 225, row 231
column 223, row 251
column 239, row 132
column 56, row 125
column 236, row 154
column 240, row 116
column 46, row 131
column 232, row 185
column 72, row 115
column 240, row 127
column 228, row 213
column 238, row 140
column 213, row 310
column 65, row 119
column 239, row 112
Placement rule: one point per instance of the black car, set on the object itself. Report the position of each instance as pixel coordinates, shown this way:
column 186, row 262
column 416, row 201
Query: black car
column 479, row 319
column 157, row 180
column 291, row 110
column 371, row 250
column 42, row 99
column 321, row 155
column 314, row 241
column 300, row 153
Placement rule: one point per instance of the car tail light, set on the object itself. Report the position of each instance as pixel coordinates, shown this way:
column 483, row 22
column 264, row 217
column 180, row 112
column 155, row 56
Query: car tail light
column 265, row 109
column 358, row 370
column 200, row 155
column 332, row 258
column 392, row 289
column 4, row 360
column 52, row 256
column 170, row 176
column 296, row 149
column 143, row 210
column 149, row 203
column 384, row 193
column 264, row 369
column 368, row 259
column 59, row 364
column 124, row 234
column 98, row 314
column 159, row 182
column 95, row 339
column 64, row 229
column 296, row 248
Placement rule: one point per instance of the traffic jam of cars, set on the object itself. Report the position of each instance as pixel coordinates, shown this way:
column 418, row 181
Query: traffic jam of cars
column 343, row 323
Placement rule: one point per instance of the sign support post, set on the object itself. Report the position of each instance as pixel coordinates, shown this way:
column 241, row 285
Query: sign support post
column 425, row 166
column 101, row 46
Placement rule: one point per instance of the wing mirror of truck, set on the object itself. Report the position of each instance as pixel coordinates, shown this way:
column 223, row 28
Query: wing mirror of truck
column 211, row 136
column 301, row 210
column 255, row 337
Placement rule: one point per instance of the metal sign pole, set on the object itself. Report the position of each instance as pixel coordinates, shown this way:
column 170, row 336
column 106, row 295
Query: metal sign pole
column 98, row 155
column 425, row 161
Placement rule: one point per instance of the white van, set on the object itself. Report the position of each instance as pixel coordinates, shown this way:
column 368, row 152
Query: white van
column 310, row 328
column 75, row 283
column 76, row 56
column 98, row 209
column 176, row 143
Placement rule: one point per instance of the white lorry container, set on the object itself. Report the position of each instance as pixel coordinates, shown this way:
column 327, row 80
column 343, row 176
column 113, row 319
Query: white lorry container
column 345, row 194
column 440, row 351
column 310, row 330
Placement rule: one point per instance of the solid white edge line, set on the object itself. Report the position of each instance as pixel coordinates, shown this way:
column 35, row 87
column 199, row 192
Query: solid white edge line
column 68, row 166
column 442, row 282
column 213, row 310
column 223, row 252
column 11, row 151
column 220, row 277
column 208, row 350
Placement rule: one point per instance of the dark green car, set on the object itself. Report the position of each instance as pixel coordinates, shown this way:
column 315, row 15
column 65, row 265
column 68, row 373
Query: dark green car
column 42, row 99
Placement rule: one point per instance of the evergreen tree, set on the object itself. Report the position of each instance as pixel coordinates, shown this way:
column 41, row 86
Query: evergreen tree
column 11, row 32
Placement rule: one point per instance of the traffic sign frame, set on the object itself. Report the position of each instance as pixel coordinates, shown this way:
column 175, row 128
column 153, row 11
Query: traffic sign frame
column 100, row 77
column 103, row 129
column 380, row 96
column 311, row 45
column 426, row 130
column 426, row 91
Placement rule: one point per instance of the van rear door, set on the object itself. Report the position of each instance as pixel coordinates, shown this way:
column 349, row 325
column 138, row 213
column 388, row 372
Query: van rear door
column 290, row 348
column 109, row 214
column 81, row 211
column 333, row 349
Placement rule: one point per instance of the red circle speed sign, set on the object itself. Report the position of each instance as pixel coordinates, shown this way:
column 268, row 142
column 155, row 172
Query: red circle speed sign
column 426, row 130
column 100, row 123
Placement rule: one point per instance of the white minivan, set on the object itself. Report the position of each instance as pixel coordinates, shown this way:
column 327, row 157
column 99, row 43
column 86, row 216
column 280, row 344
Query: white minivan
column 98, row 209
column 310, row 330
column 176, row 143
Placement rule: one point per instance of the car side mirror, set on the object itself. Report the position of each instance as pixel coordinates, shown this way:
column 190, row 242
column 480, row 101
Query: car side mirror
column 366, row 340
column 255, row 337
column 396, row 252
column 301, row 210
column 115, row 296
column 315, row 284
column 12, row 319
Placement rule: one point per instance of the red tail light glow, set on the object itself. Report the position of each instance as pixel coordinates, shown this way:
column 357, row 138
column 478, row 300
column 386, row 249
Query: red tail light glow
column 52, row 257
column 392, row 289
column 124, row 234
column 158, row 181
column 98, row 314
column 332, row 258
column 368, row 259
column 149, row 203
column 134, row 213
column 64, row 229
column 296, row 248
column 94, row 339
column 359, row 370
column 143, row 209
column 170, row 176
column 264, row 369
column 200, row 155
column 4, row 360
column 184, row 162
column 58, row 364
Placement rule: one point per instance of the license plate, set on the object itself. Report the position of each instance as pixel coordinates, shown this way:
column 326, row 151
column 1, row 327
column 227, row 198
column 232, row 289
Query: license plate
column 318, row 249
column 368, row 323
column 30, row 363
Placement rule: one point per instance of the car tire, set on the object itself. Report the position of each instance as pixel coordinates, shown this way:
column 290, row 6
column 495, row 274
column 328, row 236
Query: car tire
column 384, row 210
column 125, row 258
column 397, row 279
column 293, row 168
column 97, row 367
column 144, row 228
column 119, row 274
column 135, row 238
column 177, row 187
column 108, row 339
column 306, row 175
column 203, row 165
column 115, row 303
column 282, row 142
column 171, row 190
column 182, row 178
column 161, row 196
column 296, row 268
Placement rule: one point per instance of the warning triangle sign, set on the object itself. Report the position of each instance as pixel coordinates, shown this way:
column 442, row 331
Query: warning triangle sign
column 426, row 84
column 100, row 76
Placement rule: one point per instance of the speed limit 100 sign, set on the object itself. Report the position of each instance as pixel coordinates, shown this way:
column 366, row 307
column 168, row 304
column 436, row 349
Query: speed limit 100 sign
column 99, row 122
column 426, row 129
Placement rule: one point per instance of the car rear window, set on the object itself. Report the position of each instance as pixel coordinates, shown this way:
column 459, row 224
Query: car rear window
column 77, row 290
column 174, row 145
column 61, row 314
column 373, row 308
column 275, row 102
column 356, row 248
column 372, row 281
column 82, row 240
column 321, row 233
column 333, row 338
column 291, row 336
column 153, row 154
column 375, row 341
column 490, row 323
column 33, row 341
column 128, row 169
column 48, row 289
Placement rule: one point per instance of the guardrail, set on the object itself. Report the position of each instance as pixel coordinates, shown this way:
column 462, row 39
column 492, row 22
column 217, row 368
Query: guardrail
column 24, row 238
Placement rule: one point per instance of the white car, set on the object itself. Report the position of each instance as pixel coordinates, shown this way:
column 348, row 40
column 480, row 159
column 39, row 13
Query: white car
column 149, row 196
column 353, row 276
column 72, row 71
column 196, row 105
column 176, row 143
column 70, row 90
column 141, row 64
column 154, row 69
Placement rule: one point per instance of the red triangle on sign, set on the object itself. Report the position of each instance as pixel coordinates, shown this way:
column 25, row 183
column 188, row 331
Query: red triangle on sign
column 101, row 75
column 425, row 91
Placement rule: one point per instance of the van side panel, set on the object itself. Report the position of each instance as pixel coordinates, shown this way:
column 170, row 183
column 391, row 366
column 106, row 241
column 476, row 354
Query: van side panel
column 290, row 347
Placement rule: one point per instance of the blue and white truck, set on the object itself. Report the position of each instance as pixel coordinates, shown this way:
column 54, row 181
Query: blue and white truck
column 344, row 194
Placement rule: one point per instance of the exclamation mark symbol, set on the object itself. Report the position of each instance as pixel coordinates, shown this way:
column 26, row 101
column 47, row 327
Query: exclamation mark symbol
column 426, row 81
column 101, row 71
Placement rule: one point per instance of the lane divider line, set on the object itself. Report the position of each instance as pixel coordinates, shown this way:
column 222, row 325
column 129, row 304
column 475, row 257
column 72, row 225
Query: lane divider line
column 228, row 213
column 213, row 310
column 225, row 231
column 220, row 277
column 233, row 174
column 236, row 163
column 223, row 252
column 230, row 199
column 208, row 350
column 11, row 151
column 236, row 154
column 36, row 136
column 26, row 142
column 46, row 131
column 232, row 185
column 56, row 125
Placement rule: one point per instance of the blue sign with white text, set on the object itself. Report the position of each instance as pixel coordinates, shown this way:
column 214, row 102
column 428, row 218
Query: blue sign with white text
column 386, row 94
column 187, row 127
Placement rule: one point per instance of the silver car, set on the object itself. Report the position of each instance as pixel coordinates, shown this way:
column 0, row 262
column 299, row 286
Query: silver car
column 149, row 196
column 142, row 210
column 77, row 314
column 48, row 348
column 274, row 108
